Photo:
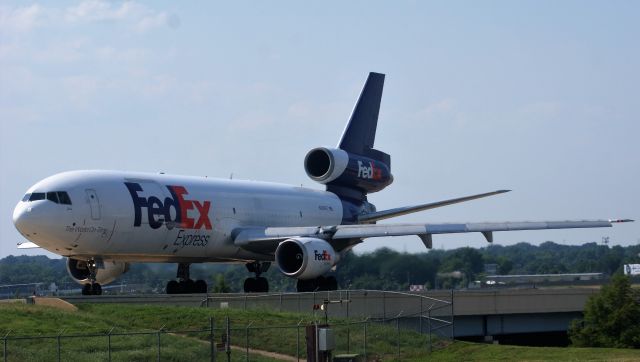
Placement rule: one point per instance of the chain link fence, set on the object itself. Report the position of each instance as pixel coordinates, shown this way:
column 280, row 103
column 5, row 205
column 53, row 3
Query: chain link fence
column 372, row 325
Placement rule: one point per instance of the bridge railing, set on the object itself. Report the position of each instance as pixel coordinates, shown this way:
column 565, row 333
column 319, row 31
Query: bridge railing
column 417, row 312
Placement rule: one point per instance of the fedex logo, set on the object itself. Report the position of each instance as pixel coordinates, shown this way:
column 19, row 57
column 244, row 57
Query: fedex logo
column 322, row 256
column 369, row 171
column 159, row 212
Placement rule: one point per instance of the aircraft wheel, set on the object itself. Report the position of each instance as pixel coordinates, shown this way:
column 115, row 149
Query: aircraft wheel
column 306, row 285
column 86, row 289
column 188, row 286
column 201, row 286
column 262, row 285
column 250, row 285
column 96, row 289
column 172, row 287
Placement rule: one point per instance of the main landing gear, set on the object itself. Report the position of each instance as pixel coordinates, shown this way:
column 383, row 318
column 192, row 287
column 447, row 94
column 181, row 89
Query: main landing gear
column 92, row 288
column 185, row 285
column 258, row 284
column 318, row 284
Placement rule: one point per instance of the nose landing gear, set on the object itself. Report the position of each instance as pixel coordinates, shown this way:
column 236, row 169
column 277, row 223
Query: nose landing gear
column 92, row 288
column 258, row 284
column 185, row 285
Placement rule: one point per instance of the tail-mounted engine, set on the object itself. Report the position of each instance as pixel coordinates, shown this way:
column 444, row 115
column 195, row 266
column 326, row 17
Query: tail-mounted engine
column 339, row 168
column 79, row 271
column 305, row 258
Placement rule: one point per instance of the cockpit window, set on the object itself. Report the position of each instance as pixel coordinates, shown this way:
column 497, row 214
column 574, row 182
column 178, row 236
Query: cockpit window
column 59, row 197
column 52, row 196
column 63, row 197
column 36, row 196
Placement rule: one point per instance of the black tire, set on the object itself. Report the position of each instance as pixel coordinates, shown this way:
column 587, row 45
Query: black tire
column 303, row 286
column 201, row 286
column 172, row 287
column 262, row 285
column 188, row 286
column 86, row 289
column 96, row 289
column 250, row 285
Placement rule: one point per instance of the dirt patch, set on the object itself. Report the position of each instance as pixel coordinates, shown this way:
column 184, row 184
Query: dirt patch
column 274, row 355
column 55, row 303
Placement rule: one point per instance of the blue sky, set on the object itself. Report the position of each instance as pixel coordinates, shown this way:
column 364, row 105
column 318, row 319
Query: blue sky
column 540, row 97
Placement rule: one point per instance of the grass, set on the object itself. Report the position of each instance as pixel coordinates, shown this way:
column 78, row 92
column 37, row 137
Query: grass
column 465, row 351
column 267, row 332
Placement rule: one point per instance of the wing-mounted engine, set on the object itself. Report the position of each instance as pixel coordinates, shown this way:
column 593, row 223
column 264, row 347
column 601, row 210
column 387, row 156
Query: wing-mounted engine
column 305, row 258
column 337, row 167
column 79, row 271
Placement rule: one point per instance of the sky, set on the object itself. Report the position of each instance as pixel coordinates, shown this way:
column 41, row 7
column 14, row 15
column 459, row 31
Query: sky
column 540, row 97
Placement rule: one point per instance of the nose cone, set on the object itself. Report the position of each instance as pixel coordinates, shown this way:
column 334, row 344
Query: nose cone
column 32, row 218
column 23, row 219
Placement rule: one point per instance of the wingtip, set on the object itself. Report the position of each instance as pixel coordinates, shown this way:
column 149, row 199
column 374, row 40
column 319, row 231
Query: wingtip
column 503, row 191
column 620, row 220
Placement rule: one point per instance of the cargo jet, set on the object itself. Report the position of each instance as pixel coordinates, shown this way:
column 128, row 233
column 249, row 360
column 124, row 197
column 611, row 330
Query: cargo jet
column 103, row 220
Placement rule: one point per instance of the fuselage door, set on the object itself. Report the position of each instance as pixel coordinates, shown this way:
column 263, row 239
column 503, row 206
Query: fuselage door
column 94, row 202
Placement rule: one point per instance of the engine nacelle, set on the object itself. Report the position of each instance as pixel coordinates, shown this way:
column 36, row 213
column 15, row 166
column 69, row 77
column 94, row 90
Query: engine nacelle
column 79, row 271
column 305, row 258
column 338, row 167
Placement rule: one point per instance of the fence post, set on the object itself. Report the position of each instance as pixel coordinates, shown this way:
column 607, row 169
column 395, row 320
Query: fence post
column 384, row 307
column 398, row 332
column 421, row 313
column 298, row 341
column 246, row 342
column 109, row 344
column 212, row 341
column 365, row 339
column 58, row 338
column 158, row 334
column 227, row 346
column 280, row 301
column 429, row 326
column 4, row 349
column 453, row 326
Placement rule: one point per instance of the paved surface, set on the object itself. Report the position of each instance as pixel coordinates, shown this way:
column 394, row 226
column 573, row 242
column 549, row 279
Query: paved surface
column 378, row 303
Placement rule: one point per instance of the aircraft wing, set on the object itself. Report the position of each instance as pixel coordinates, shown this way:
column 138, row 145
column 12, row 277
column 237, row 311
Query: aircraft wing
column 265, row 240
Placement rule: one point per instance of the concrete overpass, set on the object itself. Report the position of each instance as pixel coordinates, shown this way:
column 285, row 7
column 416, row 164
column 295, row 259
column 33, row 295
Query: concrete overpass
column 481, row 313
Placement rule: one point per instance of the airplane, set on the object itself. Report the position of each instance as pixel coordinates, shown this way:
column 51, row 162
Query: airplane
column 103, row 220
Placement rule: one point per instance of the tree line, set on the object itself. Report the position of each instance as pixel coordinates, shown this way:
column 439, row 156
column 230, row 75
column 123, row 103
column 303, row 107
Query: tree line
column 380, row 269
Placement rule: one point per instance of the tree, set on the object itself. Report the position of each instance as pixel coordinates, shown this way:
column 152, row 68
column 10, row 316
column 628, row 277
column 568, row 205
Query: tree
column 611, row 317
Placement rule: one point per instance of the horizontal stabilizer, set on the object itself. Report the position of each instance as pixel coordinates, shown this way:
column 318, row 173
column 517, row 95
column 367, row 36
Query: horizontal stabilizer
column 386, row 214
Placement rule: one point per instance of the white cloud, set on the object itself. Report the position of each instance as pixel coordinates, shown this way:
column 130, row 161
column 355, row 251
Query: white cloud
column 19, row 20
column 138, row 16
column 135, row 16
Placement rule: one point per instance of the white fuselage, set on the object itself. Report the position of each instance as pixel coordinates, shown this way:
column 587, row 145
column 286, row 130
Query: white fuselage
column 166, row 218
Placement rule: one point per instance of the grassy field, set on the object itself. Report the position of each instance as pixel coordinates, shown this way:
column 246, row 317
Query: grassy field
column 267, row 332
